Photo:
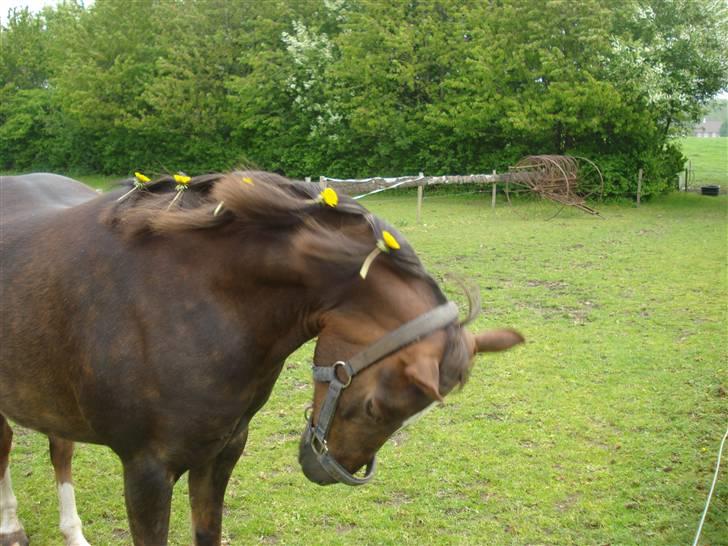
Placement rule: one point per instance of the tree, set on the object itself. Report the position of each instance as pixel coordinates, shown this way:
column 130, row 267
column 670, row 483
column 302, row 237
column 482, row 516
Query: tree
column 24, row 97
column 358, row 87
column 672, row 57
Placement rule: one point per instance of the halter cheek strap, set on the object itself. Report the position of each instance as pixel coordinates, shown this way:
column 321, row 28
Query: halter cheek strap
column 408, row 333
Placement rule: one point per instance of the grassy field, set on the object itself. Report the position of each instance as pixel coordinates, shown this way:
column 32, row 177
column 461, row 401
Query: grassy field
column 99, row 181
column 709, row 160
column 602, row 429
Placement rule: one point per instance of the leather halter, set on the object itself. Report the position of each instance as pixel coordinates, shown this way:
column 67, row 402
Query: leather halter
column 408, row 333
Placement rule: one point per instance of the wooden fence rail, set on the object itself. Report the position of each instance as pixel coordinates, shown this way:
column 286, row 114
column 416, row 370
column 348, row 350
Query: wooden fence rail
column 554, row 178
column 356, row 186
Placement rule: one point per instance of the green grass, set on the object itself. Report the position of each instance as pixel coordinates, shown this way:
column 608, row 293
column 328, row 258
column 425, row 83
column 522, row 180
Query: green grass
column 99, row 181
column 602, row 429
column 709, row 160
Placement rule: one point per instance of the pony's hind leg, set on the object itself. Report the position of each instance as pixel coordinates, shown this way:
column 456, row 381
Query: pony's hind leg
column 11, row 531
column 70, row 524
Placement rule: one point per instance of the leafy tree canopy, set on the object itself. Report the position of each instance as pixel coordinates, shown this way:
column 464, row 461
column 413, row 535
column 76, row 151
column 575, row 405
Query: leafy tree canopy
column 358, row 87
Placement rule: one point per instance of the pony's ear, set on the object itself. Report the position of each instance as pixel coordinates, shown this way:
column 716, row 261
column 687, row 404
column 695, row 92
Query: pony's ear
column 425, row 374
column 496, row 340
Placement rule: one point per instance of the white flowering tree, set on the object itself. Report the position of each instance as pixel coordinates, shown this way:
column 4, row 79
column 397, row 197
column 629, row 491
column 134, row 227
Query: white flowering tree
column 311, row 52
column 673, row 54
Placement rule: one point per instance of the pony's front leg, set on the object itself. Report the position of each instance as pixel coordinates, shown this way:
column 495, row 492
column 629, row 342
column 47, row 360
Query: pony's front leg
column 207, row 491
column 148, row 494
column 11, row 531
column 70, row 524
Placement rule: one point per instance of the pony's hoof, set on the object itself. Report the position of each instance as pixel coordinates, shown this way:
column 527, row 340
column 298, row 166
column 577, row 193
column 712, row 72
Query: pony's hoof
column 17, row 538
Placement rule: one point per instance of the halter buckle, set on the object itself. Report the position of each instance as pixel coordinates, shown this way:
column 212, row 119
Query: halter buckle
column 320, row 447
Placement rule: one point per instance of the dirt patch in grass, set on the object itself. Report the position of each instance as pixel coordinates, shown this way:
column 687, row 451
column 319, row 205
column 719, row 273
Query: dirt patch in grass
column 399, row 498
column 551, row 285
column 343, row 528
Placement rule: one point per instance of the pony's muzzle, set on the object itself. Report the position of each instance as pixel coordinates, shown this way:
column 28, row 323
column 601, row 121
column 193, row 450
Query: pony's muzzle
column 309, row 461
column 320, row 467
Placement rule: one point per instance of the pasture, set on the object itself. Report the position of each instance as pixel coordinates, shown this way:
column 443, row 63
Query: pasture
column 603, row 428
column 709, row 159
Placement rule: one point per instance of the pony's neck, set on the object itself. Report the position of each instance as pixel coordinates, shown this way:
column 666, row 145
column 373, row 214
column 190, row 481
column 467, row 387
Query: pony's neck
column 282, row 284
column 249, row 279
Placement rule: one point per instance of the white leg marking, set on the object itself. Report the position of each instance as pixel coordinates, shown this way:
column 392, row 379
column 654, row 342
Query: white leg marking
column 70, row 522
column 9, row 522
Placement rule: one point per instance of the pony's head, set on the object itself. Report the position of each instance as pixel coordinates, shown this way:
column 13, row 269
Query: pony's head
column 389, row 346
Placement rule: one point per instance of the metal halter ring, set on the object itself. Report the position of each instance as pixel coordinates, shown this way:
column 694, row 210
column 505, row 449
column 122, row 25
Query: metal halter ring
column 343, row 365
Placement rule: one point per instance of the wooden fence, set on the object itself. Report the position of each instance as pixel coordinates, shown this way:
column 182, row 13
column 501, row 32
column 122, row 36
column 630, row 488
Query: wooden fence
column 362, row 187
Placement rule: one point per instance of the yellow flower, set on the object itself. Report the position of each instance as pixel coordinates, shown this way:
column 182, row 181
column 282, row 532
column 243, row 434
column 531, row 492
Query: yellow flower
column 182, row 179
column 247, row 180
column 330, row 197
column 141, row 178
column 390, row 241
column 385, row 244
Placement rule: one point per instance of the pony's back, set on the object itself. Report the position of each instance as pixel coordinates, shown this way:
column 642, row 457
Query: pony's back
column 39, row 193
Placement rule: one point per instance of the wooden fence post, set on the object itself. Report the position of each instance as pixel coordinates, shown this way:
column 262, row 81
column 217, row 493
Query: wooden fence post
column 420, row 195
column 308, row 179
column 322, row 182
column 639, row 187
column 495, row 184
column 685, row 180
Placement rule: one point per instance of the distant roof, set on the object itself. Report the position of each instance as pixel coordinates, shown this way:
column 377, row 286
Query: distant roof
column 708, row 126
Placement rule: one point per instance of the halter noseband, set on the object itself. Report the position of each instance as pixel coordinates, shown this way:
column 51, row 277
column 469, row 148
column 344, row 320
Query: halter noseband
column 408, row 333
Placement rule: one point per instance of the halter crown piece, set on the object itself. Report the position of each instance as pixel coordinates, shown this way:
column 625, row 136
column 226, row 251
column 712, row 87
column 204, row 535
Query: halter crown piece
column 408, row 333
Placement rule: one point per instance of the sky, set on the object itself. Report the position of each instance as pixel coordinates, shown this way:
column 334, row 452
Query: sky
column 34, row 5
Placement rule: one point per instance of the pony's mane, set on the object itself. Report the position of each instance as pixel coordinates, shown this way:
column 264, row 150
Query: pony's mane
column 256, row 200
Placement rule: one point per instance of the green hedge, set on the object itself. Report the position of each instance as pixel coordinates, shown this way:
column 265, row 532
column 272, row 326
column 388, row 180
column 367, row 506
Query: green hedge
column 354, row 89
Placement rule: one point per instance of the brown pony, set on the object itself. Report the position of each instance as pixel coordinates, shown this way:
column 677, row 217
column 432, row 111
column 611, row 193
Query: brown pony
column 160, row 330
